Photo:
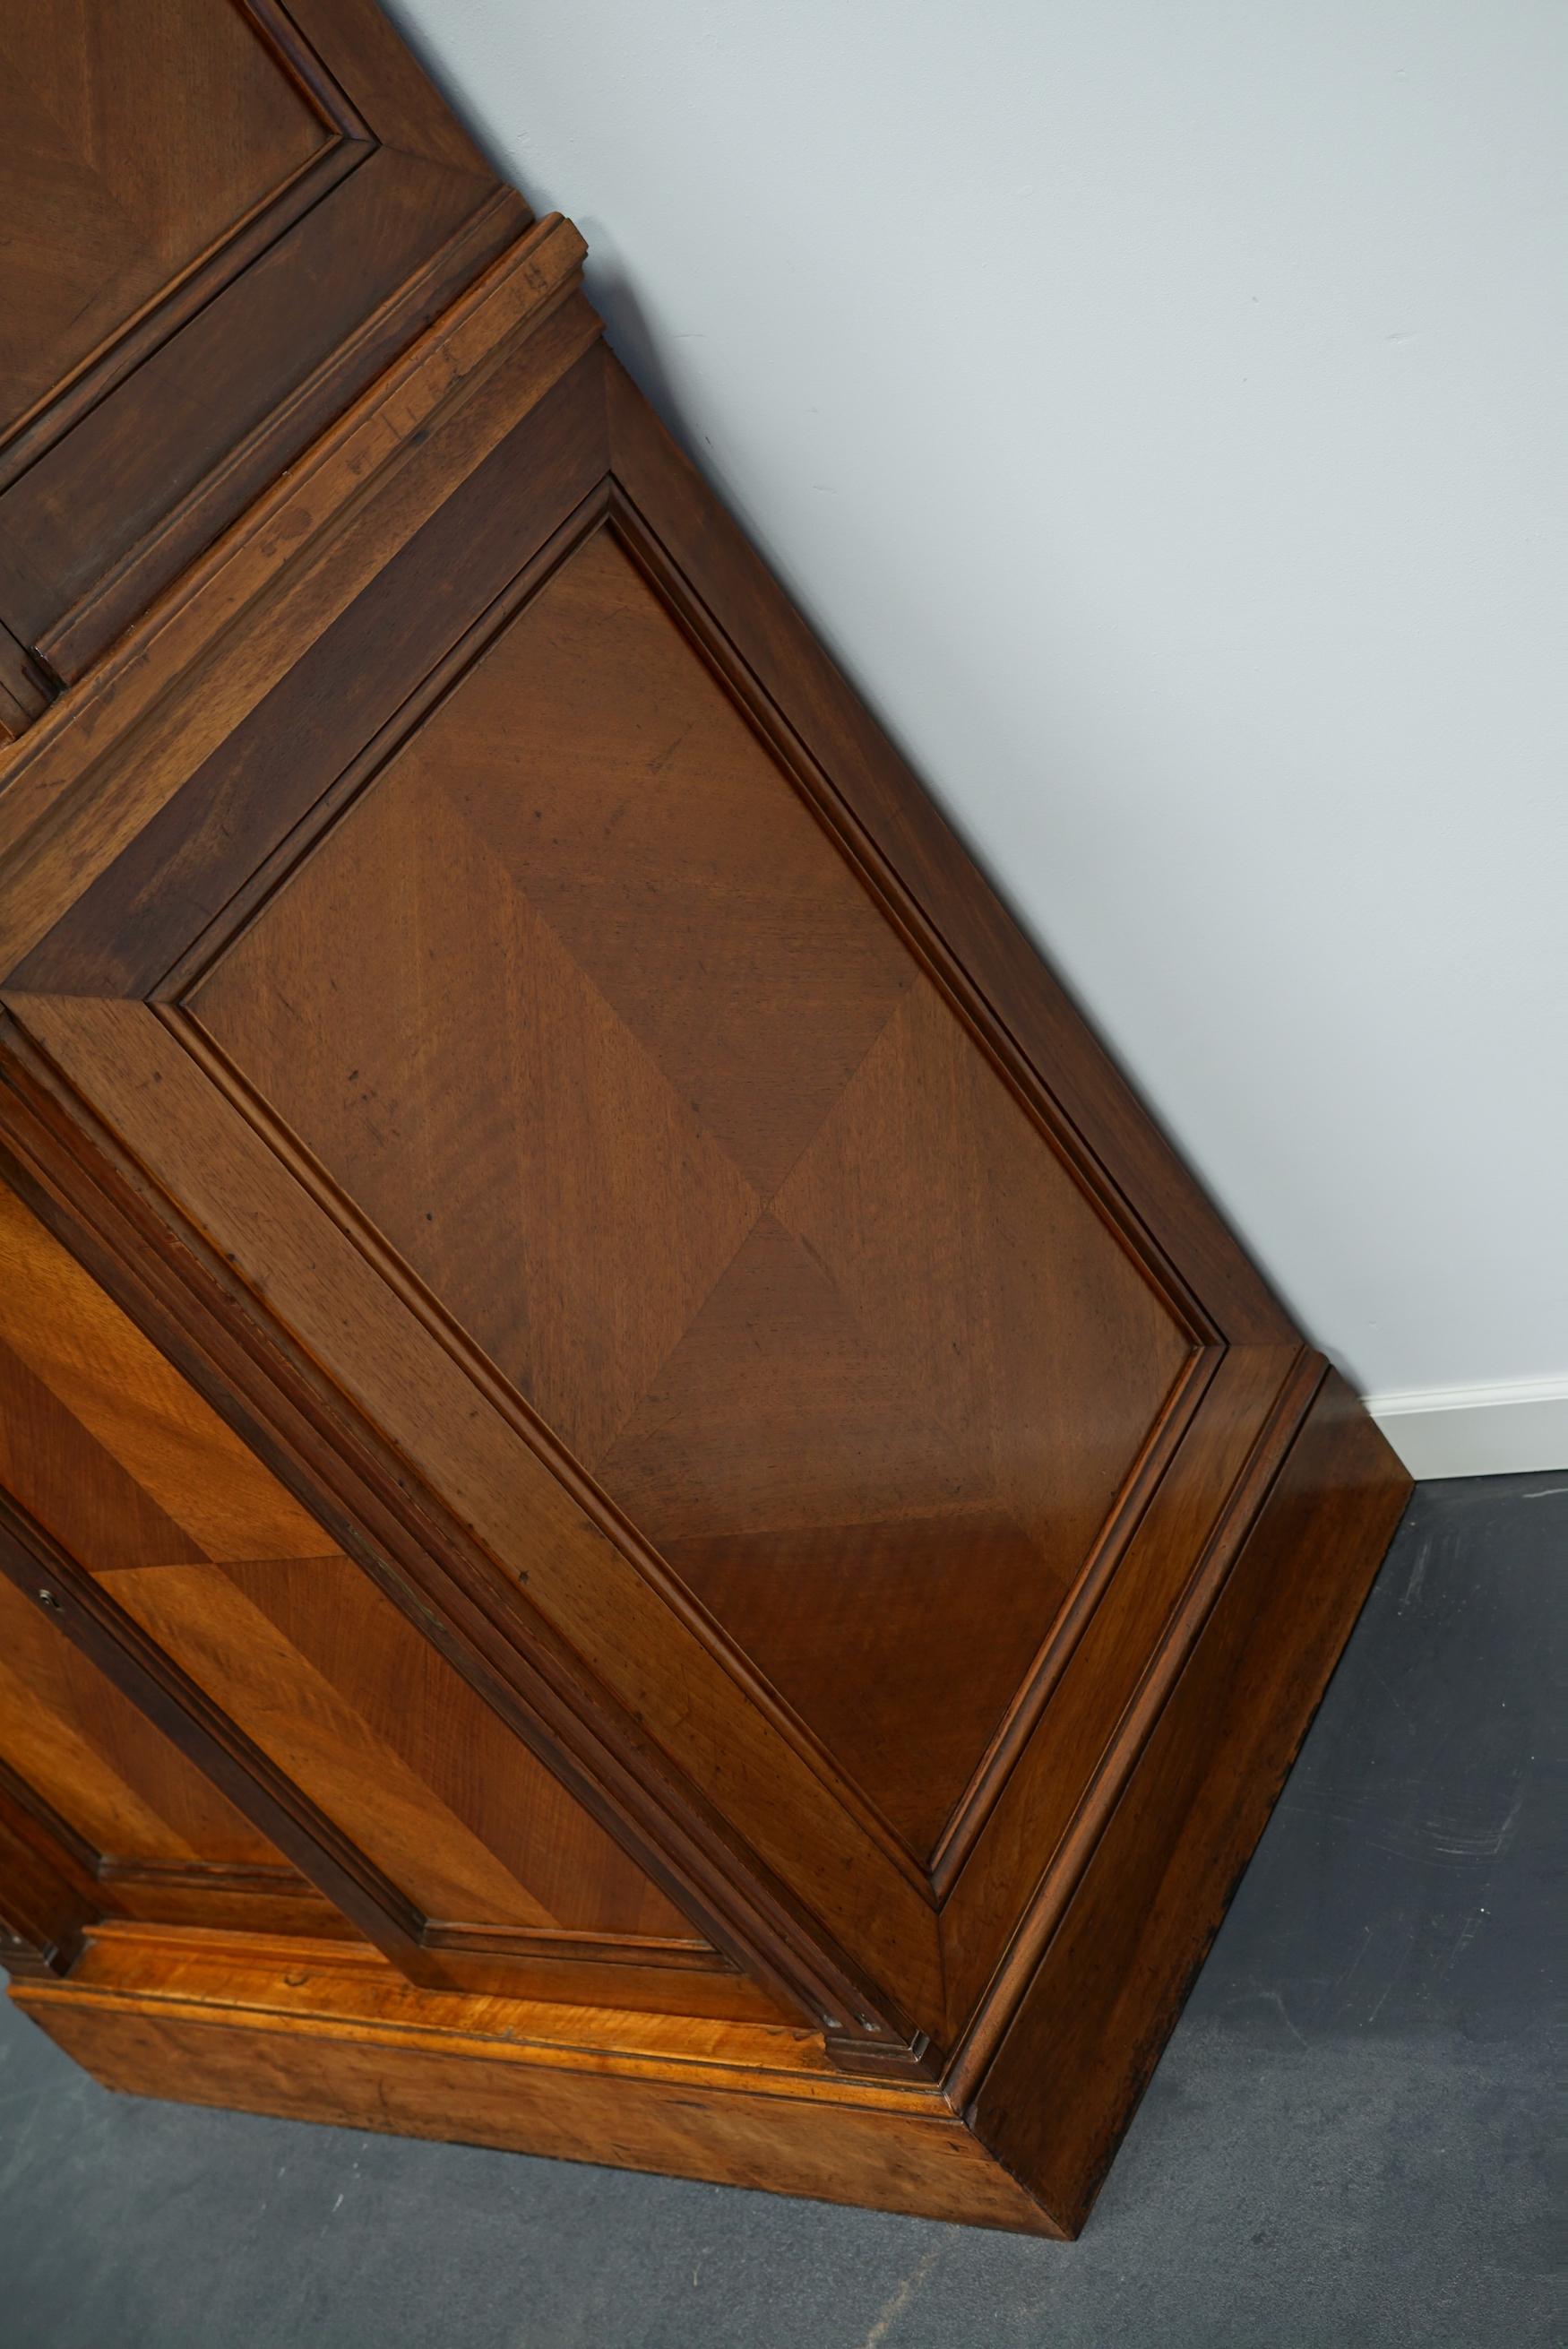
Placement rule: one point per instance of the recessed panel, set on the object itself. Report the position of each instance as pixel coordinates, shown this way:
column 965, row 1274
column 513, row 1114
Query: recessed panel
column 582, row 1007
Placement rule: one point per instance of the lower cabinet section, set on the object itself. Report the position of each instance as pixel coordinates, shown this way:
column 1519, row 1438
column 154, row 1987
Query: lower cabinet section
column 1014, row 2125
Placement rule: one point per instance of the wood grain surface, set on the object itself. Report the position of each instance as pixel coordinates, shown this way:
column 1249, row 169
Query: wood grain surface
column 642, row 1512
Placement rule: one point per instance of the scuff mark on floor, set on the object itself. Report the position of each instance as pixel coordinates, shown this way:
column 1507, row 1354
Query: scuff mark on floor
column 894, row 2308
column 1418, row 1573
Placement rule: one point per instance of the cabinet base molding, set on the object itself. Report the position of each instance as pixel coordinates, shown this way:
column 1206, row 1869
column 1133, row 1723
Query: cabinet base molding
column 277, row 2028
column 1020, row 2130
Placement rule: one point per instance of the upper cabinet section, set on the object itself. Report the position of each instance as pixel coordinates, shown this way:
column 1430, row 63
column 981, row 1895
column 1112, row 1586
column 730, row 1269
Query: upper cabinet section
column 222, row 221
column 132, row 164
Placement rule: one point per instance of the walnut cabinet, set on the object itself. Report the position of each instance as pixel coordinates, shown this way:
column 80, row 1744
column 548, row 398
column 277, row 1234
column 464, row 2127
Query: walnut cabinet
column 643, row 1515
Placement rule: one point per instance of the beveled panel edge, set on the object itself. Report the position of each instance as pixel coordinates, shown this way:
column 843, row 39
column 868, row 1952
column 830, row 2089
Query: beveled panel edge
column 27, row 1797
column 1170, row 1428
column 210, row 1897
column 49, row 1894
column 172, row 991
column 281, row 33
column 262, row 1875
column 26, row 689
column 608, row 1948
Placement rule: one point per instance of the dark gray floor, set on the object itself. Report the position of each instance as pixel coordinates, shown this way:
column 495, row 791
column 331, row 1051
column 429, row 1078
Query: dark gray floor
column 1347, row 2142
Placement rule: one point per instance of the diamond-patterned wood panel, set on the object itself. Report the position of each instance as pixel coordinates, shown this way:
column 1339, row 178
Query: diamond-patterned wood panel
column 580, row 1007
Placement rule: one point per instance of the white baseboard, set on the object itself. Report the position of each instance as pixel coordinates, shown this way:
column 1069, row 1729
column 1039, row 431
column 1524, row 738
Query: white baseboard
column 1504, row 1430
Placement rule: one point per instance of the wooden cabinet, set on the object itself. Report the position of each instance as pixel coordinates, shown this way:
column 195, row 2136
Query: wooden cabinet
column 645, row 1515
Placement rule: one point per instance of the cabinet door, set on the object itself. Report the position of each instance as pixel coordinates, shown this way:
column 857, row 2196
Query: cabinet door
column 140, row 1522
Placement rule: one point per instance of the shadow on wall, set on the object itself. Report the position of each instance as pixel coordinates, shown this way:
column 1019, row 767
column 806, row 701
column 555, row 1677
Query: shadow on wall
column 610, row 290
column 634, row 343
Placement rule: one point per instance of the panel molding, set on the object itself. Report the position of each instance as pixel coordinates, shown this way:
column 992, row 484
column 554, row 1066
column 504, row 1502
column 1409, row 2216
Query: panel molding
column 171, row 992
column 604, row 1948
column 205, row 1875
